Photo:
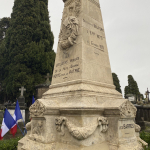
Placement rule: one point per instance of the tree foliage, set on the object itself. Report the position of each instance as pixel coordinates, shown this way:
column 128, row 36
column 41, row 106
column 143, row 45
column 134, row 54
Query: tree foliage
column 116, row 82
column 126, row 91
column 4, row 25
column 26, row 52
column 132, row 87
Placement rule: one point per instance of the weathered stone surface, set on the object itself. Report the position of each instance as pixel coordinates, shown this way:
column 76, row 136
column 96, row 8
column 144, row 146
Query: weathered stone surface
column 82, row 110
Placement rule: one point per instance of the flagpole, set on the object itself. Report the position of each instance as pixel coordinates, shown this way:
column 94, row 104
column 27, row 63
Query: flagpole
column 20, row 129
column 24, row 126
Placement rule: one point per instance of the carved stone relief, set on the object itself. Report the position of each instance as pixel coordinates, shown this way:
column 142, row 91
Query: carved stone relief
column 70, row 24
column 127, row 110
column 28, row 126
column 37, row 109
column 37, row 131
column 81, row 133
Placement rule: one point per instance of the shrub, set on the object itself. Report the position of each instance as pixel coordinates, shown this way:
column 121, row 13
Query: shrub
column 146, row 137
column 9, row 144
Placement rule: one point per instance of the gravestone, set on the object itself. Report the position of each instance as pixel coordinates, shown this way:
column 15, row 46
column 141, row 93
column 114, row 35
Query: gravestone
column 21, row 99
column 82, row 110
column 42, row 88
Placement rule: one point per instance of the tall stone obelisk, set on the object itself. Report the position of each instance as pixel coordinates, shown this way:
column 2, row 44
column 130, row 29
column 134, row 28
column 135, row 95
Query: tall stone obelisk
column 82, row 110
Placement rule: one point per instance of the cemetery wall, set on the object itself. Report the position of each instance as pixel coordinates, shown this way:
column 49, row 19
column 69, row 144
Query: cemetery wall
column 143, row 116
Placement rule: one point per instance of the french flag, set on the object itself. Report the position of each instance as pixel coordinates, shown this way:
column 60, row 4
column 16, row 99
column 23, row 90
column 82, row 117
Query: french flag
column 33, row 100
column 17, row 116
column 7, row 124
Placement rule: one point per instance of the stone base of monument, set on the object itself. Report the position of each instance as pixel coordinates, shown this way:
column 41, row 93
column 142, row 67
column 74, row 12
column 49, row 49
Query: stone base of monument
column 82, row 116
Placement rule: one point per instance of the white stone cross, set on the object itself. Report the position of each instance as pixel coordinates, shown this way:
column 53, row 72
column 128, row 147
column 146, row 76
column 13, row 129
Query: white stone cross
column 22, row 89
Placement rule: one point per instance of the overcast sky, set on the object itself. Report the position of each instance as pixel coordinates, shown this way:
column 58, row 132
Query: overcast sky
column 127, row 29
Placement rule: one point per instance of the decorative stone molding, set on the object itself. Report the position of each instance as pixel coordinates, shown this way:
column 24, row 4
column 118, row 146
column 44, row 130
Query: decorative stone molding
column 127, row 109
column 70, row 24
column 81, row 133
column 137, row 128
column 38, row 128
column 37, row 131
column 37, row 109
column 28, row 126
column 141, row 143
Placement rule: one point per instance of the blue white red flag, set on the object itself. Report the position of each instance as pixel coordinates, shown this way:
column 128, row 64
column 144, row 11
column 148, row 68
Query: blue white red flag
column 7, row 124
column 17, row 116
column 33, row 100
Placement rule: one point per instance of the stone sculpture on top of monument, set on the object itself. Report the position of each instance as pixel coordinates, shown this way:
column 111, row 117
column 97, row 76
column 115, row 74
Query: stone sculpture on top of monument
column 82, row 110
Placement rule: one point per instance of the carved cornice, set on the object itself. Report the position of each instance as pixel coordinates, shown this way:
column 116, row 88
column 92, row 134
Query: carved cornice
column 127, row 109
column 81, row 133
column 37, row 109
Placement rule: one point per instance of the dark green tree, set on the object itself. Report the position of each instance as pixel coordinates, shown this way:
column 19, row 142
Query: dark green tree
column 4, row 25
column 27, row 50
column 133, row 87
column 116, row 82
column 126, row 91
column 142, row 96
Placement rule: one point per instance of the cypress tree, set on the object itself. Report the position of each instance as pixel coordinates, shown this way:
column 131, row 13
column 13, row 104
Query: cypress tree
column 133, row 87
column 126, row 91
column 28, row 53
column 116, row 82
column 4, row 25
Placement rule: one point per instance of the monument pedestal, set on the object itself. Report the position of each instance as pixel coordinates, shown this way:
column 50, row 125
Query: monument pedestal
column 80, row 118
column 82, row 110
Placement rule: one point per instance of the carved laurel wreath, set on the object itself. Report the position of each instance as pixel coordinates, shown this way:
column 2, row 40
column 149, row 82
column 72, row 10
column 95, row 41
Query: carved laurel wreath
column 70, row 26
column 81, row 133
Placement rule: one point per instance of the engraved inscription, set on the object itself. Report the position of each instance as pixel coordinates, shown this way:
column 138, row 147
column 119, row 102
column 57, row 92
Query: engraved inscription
column 95, row 40
column 126, row 126
column 65, row 68
column 63, row 63
column 94, row 25
column 101, row 47
column 74, row 70
column 72, row 60
column 95, row 36
column 126, row 129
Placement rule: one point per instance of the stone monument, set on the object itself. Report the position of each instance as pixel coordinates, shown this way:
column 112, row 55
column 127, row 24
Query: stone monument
column 82, row 110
